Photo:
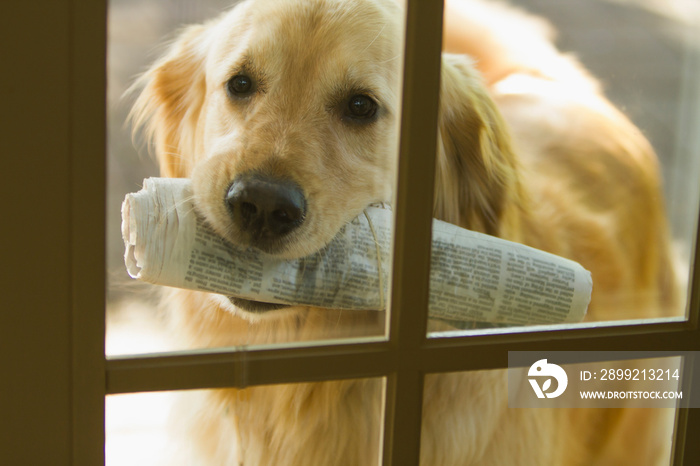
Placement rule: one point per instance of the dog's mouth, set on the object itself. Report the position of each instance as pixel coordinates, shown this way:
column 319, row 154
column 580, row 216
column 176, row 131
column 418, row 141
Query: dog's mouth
column 255, row 306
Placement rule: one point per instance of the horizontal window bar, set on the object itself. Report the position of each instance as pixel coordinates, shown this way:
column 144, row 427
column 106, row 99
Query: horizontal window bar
column 244, row 367
column 587, row 330
column 374, row 358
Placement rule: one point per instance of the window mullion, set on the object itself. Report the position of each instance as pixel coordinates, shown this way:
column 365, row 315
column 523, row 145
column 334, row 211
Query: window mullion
column 87, row 115
column 686, row 450
column 222, row 368
column 412, row 230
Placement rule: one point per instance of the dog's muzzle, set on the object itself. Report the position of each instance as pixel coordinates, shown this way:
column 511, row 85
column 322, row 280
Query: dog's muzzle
column 264, row 210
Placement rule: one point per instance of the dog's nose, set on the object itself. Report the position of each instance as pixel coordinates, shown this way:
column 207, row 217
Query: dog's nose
column 265, row 207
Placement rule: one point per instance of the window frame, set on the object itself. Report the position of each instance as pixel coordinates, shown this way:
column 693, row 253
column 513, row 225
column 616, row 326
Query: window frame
column 55, row 328
column 52, row 323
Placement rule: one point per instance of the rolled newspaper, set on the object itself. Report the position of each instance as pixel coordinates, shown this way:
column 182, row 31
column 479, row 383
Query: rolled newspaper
column 473, row 278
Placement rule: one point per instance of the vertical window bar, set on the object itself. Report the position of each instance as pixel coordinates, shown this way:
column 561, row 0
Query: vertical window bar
column 35, row 385
column 412, row 232
column 87, row 114
column 686, row 448
column 687, row 430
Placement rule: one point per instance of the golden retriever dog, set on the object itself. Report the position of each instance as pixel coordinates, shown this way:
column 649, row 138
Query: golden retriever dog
column 284, row 113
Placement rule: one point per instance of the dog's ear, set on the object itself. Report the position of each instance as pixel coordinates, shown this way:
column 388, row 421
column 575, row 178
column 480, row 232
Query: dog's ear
column 170, row 101
column 477, row 181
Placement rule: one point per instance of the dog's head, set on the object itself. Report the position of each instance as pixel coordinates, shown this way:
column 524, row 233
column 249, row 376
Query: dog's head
column 285, row 116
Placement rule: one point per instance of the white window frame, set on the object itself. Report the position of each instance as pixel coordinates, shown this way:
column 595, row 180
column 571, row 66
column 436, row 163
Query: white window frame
column 52, row 323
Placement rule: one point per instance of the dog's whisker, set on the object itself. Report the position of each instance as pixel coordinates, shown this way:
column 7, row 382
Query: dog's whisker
column 375, row 37
column 396, row 57
column 184, row 201
column 176, row 206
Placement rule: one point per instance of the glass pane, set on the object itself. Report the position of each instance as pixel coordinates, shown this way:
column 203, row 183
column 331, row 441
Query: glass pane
column 137, row 428
column 469, row 419
column 586, row 153
column 321, row 423
column 290, row 155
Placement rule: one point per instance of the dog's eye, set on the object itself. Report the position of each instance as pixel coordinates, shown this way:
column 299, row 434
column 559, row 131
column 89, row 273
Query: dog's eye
column 361, row 107
column 240, row 86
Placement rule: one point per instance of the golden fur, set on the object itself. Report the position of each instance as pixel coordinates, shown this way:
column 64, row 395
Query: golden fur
column 529, row 150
